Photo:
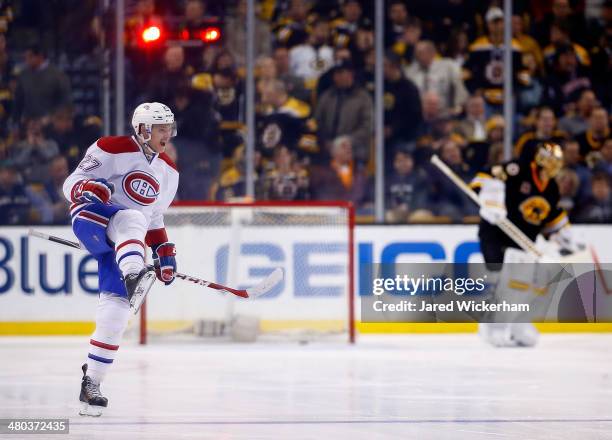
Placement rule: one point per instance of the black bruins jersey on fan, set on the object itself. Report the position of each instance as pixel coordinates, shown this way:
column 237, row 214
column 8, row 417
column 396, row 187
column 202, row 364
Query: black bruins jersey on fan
column 290, row 126
column 532, row 205
column 484, row 68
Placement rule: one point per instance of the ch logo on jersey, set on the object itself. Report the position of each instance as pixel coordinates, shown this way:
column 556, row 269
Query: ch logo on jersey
column 141, row 187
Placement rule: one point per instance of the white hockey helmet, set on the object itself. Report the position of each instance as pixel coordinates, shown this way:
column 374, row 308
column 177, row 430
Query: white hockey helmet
column 150, row 113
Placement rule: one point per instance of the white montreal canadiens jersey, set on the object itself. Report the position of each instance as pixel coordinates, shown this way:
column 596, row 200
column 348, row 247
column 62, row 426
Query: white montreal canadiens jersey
column 148, row 187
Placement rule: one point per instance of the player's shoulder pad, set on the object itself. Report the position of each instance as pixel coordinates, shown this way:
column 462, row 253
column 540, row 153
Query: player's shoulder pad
column 117, row 144
column 509, row 169
column 169, row 162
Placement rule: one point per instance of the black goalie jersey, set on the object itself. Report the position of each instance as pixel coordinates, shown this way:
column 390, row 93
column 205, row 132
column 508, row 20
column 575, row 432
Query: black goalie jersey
column 532, row 204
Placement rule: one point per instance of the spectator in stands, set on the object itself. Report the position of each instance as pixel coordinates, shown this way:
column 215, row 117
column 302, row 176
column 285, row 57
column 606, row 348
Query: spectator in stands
column 346, row 109
column 434, row 129
column 561, row 11
column 363, row 44
column 235, row 37
column 480, row 153
column 33, row 153
column 429, row 71
column 291, row 29
column 175, row 72
column 567, row 79
column 407, row 190
column 41, row 87
column 345, row 27
column 560, row 36
column 284, row 120
column 448, row 200
column 598, row 208
column 604, row 163
column 229, row 104
column 326, row 80
column 398, row 21
column 473, row 126
column 314, row 57
column 287, row 179
column 576, row 120
column 545, row 130
column 224, row 59
column 568, row 183
column 527, row 42
column 403, row 113
column 573, row 161
column 6, row 82
column 53, row 191
column 596, row 134
column 72, row 134
column 196, row 118
column 18, row 203
column 405, row 46
column 343, row 178
column 457, row 47
column 232, row 183
column 601, row 55
column 495, row 129
column 484, row 68
column 295, row 85
column 531, row 93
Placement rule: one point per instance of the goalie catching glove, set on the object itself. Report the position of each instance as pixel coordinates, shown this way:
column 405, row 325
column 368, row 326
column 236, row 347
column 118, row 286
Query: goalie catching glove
column 164, row 260
column 93, row 191
column 492, row 197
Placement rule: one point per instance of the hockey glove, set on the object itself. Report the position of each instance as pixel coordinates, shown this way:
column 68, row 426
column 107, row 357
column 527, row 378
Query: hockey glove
column 164, row 259
column 492, row 199
column 93, row 190
column 564, row 237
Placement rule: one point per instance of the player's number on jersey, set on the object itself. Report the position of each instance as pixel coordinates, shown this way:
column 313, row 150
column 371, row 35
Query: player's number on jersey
column 89, row 163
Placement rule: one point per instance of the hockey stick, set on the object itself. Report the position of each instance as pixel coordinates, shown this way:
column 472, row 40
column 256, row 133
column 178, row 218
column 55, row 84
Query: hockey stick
column 509, row 228
column 258, row 290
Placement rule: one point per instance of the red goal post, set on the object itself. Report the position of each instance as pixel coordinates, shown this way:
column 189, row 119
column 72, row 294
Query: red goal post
column 235, row 244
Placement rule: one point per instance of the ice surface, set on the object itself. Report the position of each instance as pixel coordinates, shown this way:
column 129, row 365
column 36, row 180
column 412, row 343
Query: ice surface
column 404, row 387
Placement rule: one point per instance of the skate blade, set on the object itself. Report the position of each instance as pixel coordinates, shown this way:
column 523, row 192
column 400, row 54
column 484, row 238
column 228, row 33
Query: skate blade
column 90, row 410
column 141, row 291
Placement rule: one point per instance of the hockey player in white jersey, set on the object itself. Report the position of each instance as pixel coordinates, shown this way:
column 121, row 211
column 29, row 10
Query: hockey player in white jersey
column 119, row 193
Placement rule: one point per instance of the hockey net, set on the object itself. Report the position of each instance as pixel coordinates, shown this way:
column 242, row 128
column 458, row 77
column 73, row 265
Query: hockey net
column 237, row 245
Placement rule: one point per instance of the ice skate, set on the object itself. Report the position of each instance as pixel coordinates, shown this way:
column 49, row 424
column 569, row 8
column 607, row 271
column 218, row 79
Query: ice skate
column 138, row 285
column 92, row 400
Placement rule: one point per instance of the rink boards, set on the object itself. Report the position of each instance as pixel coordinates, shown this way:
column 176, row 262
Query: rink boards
column 49, row 289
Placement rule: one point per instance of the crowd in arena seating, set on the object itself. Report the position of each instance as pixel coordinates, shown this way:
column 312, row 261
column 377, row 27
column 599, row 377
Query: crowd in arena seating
column 315, row 63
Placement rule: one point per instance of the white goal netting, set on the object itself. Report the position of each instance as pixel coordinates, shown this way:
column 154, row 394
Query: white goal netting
column 238, row 245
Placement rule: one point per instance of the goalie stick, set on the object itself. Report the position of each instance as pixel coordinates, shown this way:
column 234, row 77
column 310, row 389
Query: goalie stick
column 256, row 291
column 509, row 228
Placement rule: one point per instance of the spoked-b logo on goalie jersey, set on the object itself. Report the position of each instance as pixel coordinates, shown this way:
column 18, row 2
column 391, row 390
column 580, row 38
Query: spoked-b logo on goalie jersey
column 141, row 187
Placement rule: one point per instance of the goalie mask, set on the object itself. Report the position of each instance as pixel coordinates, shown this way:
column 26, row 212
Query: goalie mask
column 149, row 114
column 550, row 158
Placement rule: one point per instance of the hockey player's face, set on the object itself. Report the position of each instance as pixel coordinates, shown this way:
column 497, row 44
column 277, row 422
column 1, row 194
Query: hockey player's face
column 160, row 136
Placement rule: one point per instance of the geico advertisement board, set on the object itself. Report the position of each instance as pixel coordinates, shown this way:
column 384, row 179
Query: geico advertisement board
column 40, row 280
